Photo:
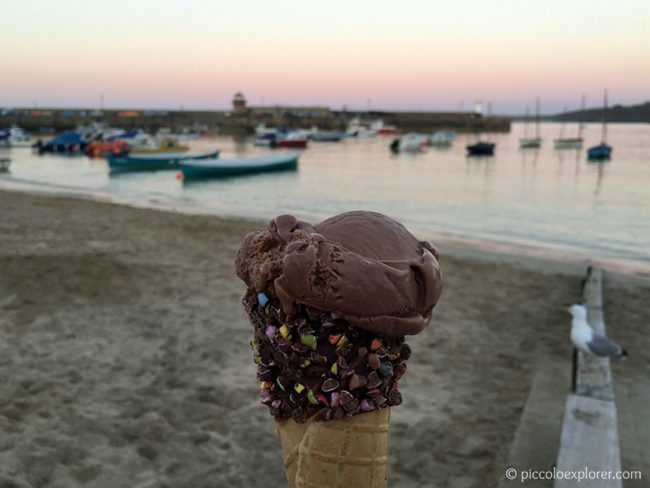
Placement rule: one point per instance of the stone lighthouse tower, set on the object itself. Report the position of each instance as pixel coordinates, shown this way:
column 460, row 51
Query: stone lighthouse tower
column 239, row 104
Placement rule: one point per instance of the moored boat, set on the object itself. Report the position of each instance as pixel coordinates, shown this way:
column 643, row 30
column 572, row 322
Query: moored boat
column 531, row 142
column 570, row 142
column 17, row 137
column 327, row 136
column 603, row 151
column 442, row 138
column 69, row 142
column 600, row 152
column 102, row 149
column 262, row 131
column 289, row 142
column 481, row 148
column 356, row 129
column 166, row 145
column 411, row 142
column 151, row 162
column 221, row 168
column 381, row 129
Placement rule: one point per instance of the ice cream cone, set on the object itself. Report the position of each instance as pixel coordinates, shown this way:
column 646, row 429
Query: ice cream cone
column 337, row 453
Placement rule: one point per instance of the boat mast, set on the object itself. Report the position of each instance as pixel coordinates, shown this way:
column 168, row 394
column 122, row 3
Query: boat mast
column 605, row 117
column 562, row 122
column 581, row 124
column 537, row 118
column 526, row 124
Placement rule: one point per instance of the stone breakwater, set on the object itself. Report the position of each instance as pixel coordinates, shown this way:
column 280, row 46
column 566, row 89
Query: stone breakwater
column 225, row 122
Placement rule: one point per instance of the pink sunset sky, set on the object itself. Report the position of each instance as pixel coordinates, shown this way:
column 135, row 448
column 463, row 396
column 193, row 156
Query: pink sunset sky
column 410, row 55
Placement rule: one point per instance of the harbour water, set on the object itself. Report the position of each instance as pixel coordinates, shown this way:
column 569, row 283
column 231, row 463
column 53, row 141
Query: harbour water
column 539, row 198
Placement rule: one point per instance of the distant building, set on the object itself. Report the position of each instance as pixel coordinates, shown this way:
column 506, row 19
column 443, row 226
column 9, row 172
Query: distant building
column 239, row 104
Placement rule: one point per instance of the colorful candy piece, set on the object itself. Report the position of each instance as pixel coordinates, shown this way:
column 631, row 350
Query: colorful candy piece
column 264, row 374
column 265, row 396
column 284, row 332
column 270, row 331
column 366, row 406
column 334, row 338
column 342, row 341
column 335, row 399
column 322, row 399
column 262, row 298
column 375, row 344
column 309, row 340
column 386, row 369
column 335, row 368
column 276, row 403
column 299, row 387
column 312, row 398
column 304, row 363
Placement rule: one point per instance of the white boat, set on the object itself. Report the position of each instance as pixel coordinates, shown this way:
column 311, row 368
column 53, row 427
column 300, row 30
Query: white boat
column 570, row 142
column 19, row 138
column 531, row 142
column 442, row 138
column 382, row 129
column 357, row 129
column 411, row 142
column 262, row 131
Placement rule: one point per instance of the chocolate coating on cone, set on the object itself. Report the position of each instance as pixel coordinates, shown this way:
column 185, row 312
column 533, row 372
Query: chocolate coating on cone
column 364, row 266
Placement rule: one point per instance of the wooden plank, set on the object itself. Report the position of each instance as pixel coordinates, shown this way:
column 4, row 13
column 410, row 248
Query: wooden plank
column 589, row 440
column 593, row 374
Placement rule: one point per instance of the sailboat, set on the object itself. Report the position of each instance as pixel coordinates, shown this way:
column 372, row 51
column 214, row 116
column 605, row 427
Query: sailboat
column 481, row 148
column 531, row 142
column 602, row 151
column 570, row 142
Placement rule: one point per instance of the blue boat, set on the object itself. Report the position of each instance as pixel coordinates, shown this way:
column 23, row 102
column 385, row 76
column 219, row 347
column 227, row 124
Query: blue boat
column 68, row 142
column 603, row 151
column 481, row 149
column 600, row 152
column 157, row 161
column 220, row 168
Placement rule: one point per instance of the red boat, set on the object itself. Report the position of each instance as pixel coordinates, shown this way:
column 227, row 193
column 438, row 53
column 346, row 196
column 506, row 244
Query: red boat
column 299, row 143
column 106, row 148
column 385, row 130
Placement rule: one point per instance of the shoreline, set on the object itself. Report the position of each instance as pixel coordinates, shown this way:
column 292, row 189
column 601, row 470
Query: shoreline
column 533, row 257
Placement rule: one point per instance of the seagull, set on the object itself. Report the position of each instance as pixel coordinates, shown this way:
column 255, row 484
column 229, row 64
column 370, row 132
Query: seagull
column 586, row 340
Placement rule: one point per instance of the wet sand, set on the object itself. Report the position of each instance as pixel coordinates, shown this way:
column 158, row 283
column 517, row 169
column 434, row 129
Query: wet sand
column 124, row 356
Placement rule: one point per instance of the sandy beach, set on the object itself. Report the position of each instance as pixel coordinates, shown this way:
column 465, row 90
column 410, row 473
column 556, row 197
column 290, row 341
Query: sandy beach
column 124, row 356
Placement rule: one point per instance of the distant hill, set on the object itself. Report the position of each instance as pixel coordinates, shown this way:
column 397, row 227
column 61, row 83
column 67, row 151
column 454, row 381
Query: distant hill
column 617, row 113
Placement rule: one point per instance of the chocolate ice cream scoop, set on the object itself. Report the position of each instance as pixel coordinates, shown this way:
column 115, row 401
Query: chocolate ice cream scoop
column 363, row 266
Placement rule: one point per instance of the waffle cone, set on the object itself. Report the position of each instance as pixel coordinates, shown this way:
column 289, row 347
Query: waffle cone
column 337, row 453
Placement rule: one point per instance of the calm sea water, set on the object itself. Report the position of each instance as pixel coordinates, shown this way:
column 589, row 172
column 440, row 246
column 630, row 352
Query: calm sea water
column 545, row 198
